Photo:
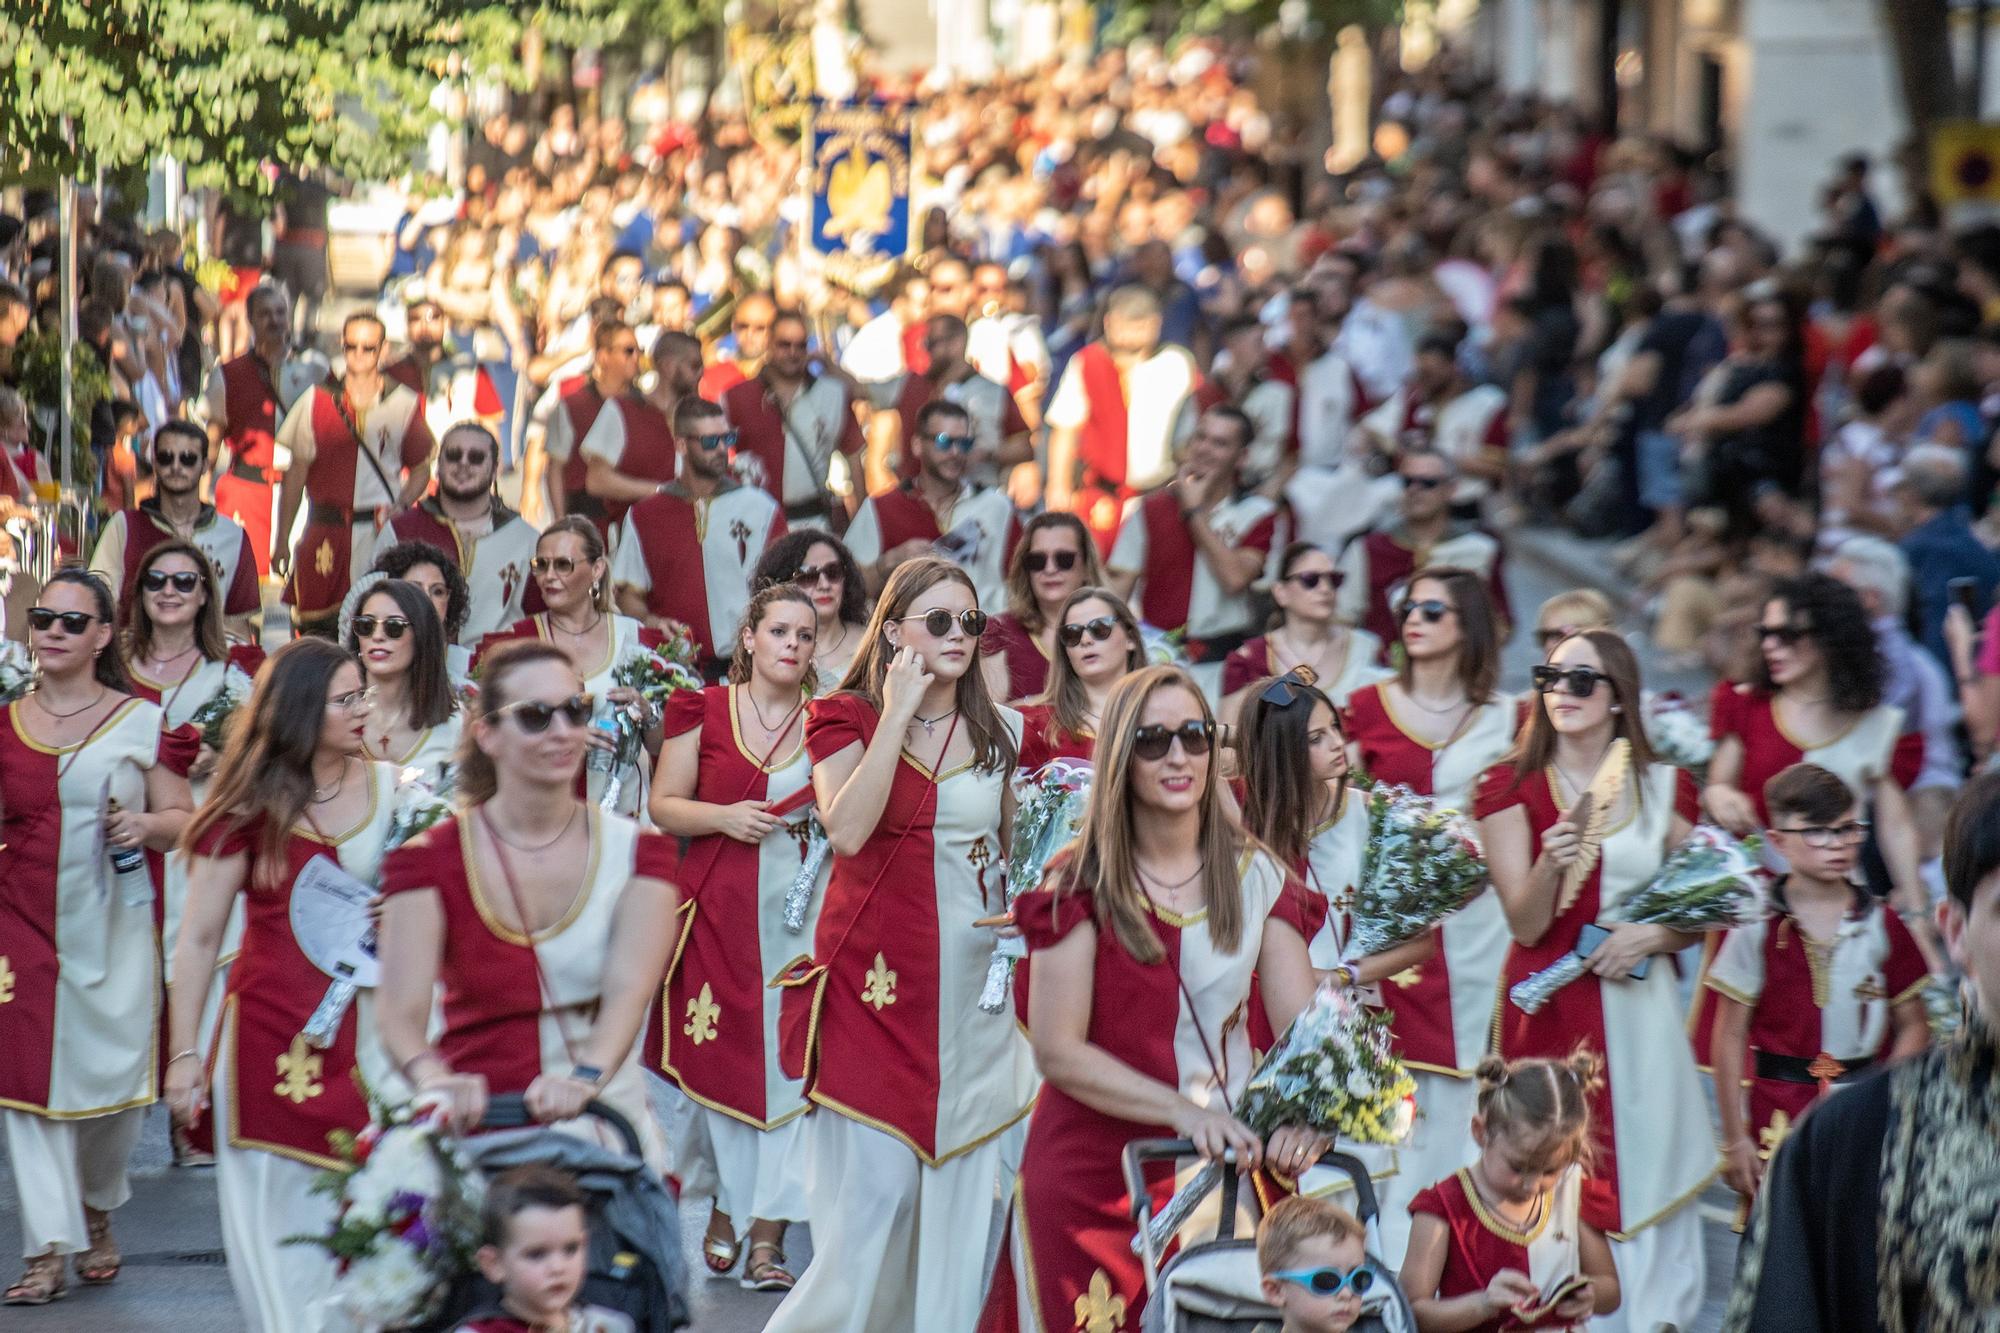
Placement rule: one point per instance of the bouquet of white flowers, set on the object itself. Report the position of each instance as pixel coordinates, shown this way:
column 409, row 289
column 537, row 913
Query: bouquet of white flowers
column 1423, row 863
column 17, row 670
column 655, row 673
column 1677, row 733
column 212, row 718
column 1164, row 647
column 1047, row 816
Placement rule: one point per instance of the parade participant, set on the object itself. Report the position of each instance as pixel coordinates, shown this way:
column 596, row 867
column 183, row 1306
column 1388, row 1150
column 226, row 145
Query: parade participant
column 614, row 365
column 915, row 1085
column 1571, row 612
column 939, row 512
column 1143, row 943
column 1054, row 558
column 544, row 946
column 820, row 564
column 351, row 440
column 732, row 752
column 1101, row 645
column 1819, row 994
column 1333, row 490
column 413, row 720
column 1490, row 1239
column 294, row 786
column 794, row 427
column 1442, row 411
column 437, row 577
column 1654, row 1151
column 628, row 453
column 1305, row 632
column 687, row 552
column 1000, row 434
column 1376, row 568
column 176, row 513
column 1241, row 378
column 82, row 969
column 1194, row 547
column 750, row 328
column 1434, row 729
column 247, row 397
column 490, row 544
column 456, row 389
column 677, row 371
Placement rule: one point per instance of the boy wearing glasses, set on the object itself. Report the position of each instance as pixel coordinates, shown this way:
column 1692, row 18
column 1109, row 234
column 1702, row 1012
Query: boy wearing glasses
column 939, row 512
column 1314, row 1259
column 1818, row 994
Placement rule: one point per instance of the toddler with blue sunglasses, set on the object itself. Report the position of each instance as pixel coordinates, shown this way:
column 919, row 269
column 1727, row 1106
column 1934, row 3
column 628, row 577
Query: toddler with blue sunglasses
column 1314, row 1258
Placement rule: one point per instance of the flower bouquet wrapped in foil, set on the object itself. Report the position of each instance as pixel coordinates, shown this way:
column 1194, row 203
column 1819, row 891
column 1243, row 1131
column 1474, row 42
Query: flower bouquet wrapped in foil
column 1047, row 816
column 17, row 670
column 799, row 896
column 1332, row 1071
column 1677, row 733
column 1423, row 864
column 1710, row 882
column 655, row 673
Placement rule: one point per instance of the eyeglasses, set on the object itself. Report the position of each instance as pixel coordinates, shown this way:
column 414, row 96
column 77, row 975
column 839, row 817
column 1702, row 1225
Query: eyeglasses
column 562, row 565
column 1153, row 740
column 361, row 347
column 153, row 580
column 1037, row 562
column 166, row 458
column 1580, row 682
column 808, row 575
column 1312, row 578
column 1424, row 483
column 1783, row 633
column 1826, row 835
column 721, row 440
column 43, row 618
column 354, row 701
column 391, row 626
column 1098, row 629
column 1330, row 1281
column 948, row 442
column 1431, row 609
column 476, row 457
column 533, row 717
column 1290, row 686
column 938, row 622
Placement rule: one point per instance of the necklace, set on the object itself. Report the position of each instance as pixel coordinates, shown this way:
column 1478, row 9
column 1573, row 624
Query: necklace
column 930, row 723
column 828, row 647
column 557, row 625
column 1162, row 884
column 43, row 704
column 162, row 663
column 538, row 847
column 338, row 783
column 785, row 722
column 1437, row 711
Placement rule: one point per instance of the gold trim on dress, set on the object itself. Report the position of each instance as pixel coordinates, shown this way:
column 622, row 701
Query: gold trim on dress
column 1671, row 1208
column 1031, row 1318
column 611, row 619
column 842, row 1109
column 736, row 734
column 1728, row 991
column 1491, row 1220
column 98, row 732
column 1805, row 750
column 374, row 802
column 485, row 909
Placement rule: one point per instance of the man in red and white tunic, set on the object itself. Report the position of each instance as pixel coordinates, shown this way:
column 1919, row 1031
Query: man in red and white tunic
column 613, row 369
column 629, row 451
column 247, row 397
column 750, row 330
column 360, row 451
column 175, row 512
column 493, row 544
column 1333, row 492
column 1193, row 549
column 1242, row 378
column 1114, row 416
column 1377, row 566
column 688, row 551
column 939, row 512
column 999, row 431
column 1440, row 409
column 797, row 435
column 454, row 386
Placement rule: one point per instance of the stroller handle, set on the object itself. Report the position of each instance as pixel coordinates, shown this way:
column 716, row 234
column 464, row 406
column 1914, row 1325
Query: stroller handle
column 1139, row 1152
column 509, row 1110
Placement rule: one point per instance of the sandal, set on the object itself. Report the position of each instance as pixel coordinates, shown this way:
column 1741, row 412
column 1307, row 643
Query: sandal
column 186, row 1155
column 41, row 1282
column 100, row 1263
column 767, row 1274
column 719, row 1253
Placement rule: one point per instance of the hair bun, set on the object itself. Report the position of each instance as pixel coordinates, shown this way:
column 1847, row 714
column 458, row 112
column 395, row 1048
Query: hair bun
column 1491, row 1071
column 1586, row 1066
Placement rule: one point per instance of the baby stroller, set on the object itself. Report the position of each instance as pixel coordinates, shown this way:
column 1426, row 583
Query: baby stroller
column 1213, row 1286
column 635, row 1265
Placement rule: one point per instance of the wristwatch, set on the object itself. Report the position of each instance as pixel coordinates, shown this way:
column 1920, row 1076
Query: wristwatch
column 590, row 1074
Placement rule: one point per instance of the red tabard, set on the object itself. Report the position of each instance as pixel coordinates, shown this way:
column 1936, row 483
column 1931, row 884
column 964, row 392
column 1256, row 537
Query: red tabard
column 581, row 405
column 1027, row 664
column 1042, row 740
column 1168, row 582
column 1476, row 1252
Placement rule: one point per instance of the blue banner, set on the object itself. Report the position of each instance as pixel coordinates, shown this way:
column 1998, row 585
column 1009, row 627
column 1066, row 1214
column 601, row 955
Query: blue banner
column 860, row 184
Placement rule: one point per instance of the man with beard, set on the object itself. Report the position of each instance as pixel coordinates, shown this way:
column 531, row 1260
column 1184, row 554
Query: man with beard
column 794, row 427
column 677, row 371
column 688, row 551
column 1376, row 566
column 997, row 425
column 1441, row 409
column 176, row 512
column 939, row 512
column 750, row 327
column 454, row 386
column 493, row 544
column 247, row 397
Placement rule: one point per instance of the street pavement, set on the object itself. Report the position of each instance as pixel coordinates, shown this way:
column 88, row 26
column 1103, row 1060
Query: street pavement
column 175, row 1281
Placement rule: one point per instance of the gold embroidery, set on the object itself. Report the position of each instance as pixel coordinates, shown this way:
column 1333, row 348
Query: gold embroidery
column 879, row 986
column 299, row 1071
column 1100, row 1310
column 1407, row 977
column 1871, row 989
column 1773, row 1134
column 702, row 1011
column 323, row 559
column 6, row 980
column 1819, row 964
column 979, row 857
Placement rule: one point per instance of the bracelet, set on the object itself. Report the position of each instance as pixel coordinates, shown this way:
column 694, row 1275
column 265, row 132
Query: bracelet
column 183, row 1055
column 1344, row 975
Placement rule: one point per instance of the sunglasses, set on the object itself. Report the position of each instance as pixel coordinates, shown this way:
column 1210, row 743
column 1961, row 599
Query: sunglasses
column 1098, row 629
column 1783, row 633
column 1424, row 483
column 1037, row 562
column 391, row 626
column 43, row 618
column 1330, row 1281
column 808, row 575
column 1153, row 740
column 1578, row 682
column 720, row 440
column 153, row 580
column 166, row 458
column 361, row 347
column 1431, row 609
column 533, row 718
column 476, row 457
column 1289, row 686
column 938, row 622
column 947, row 442
column 354, row 701
column 1312, row 578
column 562, row 565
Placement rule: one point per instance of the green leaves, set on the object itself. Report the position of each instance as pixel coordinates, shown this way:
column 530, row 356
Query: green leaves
column 1133, row 18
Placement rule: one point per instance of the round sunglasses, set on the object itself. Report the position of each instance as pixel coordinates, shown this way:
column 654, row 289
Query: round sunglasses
column 391, row 626
column 166, row 458
column 1100, row 628
column 938, row 622
column 534, row 717
column 1578, row 682
column 561, row 565
column 1037, row 562
column 476, row 457
column 1330, row 1281
column 1153, row 740
column 1431, row 609
column 154, row 580
column 948, row 442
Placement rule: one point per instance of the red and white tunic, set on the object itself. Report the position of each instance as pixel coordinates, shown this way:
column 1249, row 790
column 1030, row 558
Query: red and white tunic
column 495, row 563
column 1482, row 1246
column 246, row 401
column 791, row 451
column 1376, row 569
column 1258, row 659
column 980, row 522
column 1126, row 424
column 457, row 390
column 129, row 535
column 1269, row 403
column 692, row 560
column 576, row 412
column 637, row 441
column 1469, row 427
column 1042, row 740
column 514, row 1008
column 1027, row 659
column 996, row 418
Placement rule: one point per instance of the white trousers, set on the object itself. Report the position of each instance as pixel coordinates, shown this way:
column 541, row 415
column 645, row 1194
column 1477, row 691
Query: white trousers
column 750, row 1173
column 1662, row 1272
column 63, row 1166
column 1440, row 1143
column 897, row 1246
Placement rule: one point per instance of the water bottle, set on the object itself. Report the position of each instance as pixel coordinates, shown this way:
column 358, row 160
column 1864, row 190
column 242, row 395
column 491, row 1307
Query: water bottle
column 604, row 761
column 135, row 881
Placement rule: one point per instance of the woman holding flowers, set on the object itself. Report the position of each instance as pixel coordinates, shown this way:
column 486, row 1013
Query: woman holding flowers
column 1143, row 942
column 1578, row 818
column 733, row 753
column 413, row 720
column 1304, row 632
column 295, row 784
column 1099, row 646
column 1054, row 558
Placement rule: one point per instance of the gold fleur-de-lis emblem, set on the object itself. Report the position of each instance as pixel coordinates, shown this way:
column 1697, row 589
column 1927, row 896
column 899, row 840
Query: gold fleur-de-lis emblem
column 323, row 559
column 6, row 980
column 702, row 1011
column 1100, row 1310
column 1407, row 977
column 879, row 986
column 979, row 857
column 299, row 1071
column 1773, row 1134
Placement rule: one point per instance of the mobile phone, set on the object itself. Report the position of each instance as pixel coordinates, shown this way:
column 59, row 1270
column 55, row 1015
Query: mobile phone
column 1965, row 592
column 1552, row 1297
column 1593, row 935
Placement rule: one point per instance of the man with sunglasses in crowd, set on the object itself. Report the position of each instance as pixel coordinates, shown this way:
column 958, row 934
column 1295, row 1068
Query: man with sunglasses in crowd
column 629, row 451
column 175, row 511
column 454, row 386
column 579, row 402
column 247, row 397
column 798, row 435
column 750, row 332
column 1000, row 432
column 467, row 518
column 940, row 512
column 1440, row 408
column 688, row 551
column 1376, row 565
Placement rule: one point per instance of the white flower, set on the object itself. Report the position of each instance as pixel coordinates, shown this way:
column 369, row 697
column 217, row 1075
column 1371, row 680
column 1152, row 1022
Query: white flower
column 386, row 1287
column 406, row 1158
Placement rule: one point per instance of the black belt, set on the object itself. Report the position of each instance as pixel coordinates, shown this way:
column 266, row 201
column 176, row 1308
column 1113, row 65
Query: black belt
column 1216, row 647
column 1798, row 1069
column 584, row 504
column 805, row 509
column 321, row 512
column 263, row 476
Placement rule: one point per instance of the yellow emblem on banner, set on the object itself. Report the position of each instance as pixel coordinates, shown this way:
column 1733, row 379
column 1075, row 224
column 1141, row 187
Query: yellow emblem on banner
column 299, row 1071
column 702, row 1012
column 879, row 986
column 1773, row 1134
column 1100, row 1310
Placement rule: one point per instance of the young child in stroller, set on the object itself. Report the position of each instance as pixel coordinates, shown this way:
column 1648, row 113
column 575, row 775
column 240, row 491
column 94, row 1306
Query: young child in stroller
column 537, row 1245
column 1314, row 1259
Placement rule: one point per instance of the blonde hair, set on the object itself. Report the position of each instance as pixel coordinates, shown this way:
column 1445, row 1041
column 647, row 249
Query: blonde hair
column 1542, row 1106
column 1297, row 1219
column 1585, row 608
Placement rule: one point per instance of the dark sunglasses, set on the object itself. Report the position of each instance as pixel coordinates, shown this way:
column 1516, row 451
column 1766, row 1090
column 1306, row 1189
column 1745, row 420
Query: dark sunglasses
column 533, row 718
column 947, row 442
column 830, row 572
column 1312, row 578
column 166, row 458
column 1783, row 633
column 43, row 618
column 1289, row 686
column 561, row 564
column 1037, row 562
column 1580, row 682
column 1098, row 629
column 391, row 626
column 153, row 580
column 1330, row 1281
column 1425, row 483
column 720, row 440
column 938, row 622
column 476, row 457
column 1431, row 609
column 1154, row 740
column 361, row 347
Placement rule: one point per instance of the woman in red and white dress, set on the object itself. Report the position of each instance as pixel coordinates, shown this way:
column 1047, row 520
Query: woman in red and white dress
column 1435, row 729
column 293, row 786
column 413, row 718
column 733, row 752
column 1053, row 559
column 571, row 570
column 916, row 1085
column 1655, row 1151
column 1307, row 633
column 541, row 923
column 79, row 964
column 1144, row 939
column 1101, row 645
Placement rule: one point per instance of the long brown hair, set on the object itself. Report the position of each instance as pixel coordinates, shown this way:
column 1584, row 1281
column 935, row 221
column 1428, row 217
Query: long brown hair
column 993, row 746
column 753, row 616
column 266, row 766
column 593, row 550
column 1103, row 861
column 1065, row 694
column 137, row 639
column 1478, row 631
column 1281, row 797
column 1021, row 603
column 477, row 779
column 1536, row 745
